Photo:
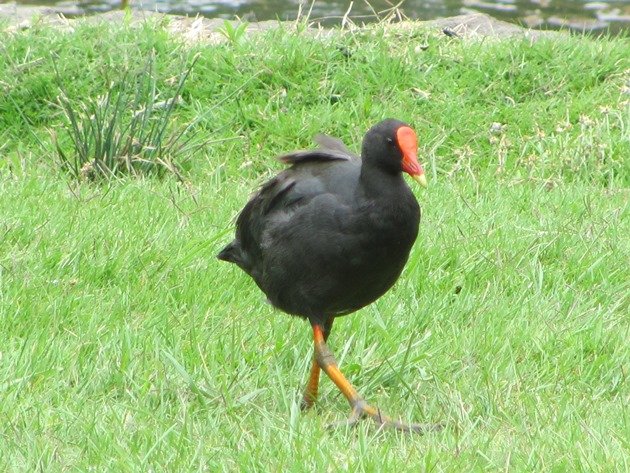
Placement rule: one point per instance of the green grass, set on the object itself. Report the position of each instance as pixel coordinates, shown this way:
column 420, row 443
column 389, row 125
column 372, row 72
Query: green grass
column 125, row 131
column 126, row 346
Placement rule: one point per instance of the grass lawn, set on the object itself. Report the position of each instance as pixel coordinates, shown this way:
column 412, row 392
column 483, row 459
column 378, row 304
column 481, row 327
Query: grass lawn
column 126, row 346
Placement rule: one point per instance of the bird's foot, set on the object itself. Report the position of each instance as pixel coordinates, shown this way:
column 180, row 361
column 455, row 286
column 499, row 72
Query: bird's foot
column 360, row 410
column 307, row 402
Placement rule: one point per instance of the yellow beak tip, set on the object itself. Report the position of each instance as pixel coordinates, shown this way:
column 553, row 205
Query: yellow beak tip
column 420, row 179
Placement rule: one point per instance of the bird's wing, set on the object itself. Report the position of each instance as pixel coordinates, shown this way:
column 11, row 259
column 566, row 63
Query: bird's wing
column 332, row 143
column 275, row 195
column 274, row 192
column 310, row 255
column 310, row 175
column 330, row 149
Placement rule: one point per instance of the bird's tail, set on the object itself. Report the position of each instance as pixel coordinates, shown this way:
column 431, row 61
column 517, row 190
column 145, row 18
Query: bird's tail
column 232, row 253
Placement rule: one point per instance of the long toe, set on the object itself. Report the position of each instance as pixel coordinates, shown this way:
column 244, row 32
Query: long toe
column 401, row 426
column 361, row 410
column 351, row 421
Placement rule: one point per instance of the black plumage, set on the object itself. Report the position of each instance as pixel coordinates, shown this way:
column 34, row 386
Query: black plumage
column 332, row 233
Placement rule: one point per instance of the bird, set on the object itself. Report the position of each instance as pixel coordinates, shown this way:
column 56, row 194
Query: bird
column 331, row 234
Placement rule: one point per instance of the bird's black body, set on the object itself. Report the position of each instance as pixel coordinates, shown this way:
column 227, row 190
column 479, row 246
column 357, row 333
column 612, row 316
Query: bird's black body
column 332, row 233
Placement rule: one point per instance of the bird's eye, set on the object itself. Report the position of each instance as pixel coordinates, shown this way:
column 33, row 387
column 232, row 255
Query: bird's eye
column 389, row 140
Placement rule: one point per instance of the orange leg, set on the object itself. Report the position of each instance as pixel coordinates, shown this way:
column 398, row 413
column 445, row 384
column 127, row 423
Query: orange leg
column 312, row 387
column 360, row 408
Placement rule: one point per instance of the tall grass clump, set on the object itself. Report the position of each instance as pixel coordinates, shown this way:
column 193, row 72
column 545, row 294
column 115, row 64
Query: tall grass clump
column 125, row 131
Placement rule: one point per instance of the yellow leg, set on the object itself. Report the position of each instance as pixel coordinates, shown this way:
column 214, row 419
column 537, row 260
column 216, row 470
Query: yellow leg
column 326, row 361
column 312, row 386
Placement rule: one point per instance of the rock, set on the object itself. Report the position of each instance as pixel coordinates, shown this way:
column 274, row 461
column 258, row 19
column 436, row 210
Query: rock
column 577, row 24
column 471, row 26
column 533, row 21
column 479, row 25
column 502, row 7
column 595, row 6
column 614, row 15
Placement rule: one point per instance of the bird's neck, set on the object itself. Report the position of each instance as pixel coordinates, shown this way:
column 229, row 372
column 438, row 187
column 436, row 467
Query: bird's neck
column 378, row 183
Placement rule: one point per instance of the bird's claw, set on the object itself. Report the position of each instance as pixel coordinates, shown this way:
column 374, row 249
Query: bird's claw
column 361, row 410
column 306, row 404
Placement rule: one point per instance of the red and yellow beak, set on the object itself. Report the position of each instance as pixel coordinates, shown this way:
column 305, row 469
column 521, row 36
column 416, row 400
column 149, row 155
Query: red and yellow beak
column 408, row 144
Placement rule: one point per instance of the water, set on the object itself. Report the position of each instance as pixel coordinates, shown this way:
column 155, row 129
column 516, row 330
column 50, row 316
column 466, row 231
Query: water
column 581, row 15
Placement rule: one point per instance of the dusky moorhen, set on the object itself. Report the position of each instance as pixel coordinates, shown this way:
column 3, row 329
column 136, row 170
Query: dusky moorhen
column 330, row 235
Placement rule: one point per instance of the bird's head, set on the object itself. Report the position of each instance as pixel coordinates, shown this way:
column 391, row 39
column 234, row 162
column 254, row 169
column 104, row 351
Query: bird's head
column 392, row 145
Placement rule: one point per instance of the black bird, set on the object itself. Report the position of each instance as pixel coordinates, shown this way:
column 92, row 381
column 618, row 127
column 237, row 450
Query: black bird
column 330, row 235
